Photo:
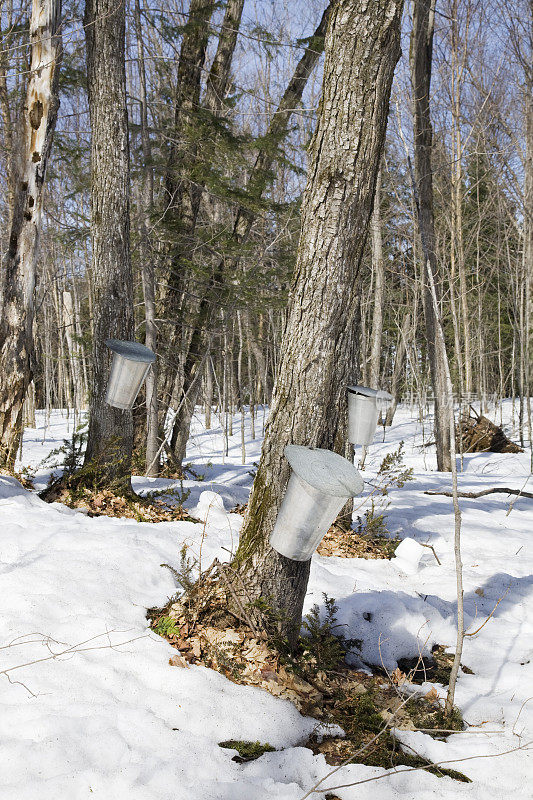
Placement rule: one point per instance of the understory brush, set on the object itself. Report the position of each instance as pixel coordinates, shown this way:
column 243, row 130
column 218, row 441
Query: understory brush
column 315, row 677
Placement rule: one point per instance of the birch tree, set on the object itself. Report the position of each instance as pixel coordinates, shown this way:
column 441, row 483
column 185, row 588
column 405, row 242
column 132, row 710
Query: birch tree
column 37, row 132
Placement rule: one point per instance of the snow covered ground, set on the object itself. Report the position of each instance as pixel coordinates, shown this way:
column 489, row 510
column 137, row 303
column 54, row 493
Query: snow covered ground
column 90, row 706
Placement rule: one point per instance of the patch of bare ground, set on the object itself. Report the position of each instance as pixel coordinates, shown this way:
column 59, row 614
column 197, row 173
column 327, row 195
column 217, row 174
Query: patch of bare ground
column 348, row 543
column 99, row 502
column 343, row 542
column 316, row 678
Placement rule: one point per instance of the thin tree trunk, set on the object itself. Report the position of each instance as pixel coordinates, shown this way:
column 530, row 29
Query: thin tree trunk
column 110, row 438
column 257, row 185
column 147, row 264
column 219, row 74
column 72, row 345
column 399, row 361
column 16, row 318
column 318, row 348
column 379, row 287
column 208, row 400
column 420, row 58
column 457, row 244
column 528, row 233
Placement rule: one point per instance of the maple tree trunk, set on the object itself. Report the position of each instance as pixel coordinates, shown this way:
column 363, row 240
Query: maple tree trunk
column 319, row 348
column 16, row 319
column 110, row 438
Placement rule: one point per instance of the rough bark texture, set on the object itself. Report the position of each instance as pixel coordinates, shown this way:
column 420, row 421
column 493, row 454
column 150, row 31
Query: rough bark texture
column 420, row 58
column 318, row 348
column 182, row 195
column 7, row 122
column 16, row 319
column 218, row 79
column 110, row 438
column 147, row 263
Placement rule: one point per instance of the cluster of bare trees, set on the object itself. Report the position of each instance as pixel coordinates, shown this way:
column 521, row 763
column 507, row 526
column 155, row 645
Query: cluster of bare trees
column 174, row 202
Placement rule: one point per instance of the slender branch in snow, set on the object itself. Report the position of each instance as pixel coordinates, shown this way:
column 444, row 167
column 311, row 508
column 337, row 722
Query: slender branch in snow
column 68, row 651
column 485, row 492
column 455, row 494
column 389, row 773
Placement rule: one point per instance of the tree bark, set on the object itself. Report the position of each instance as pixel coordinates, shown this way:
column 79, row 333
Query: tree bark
column 183, row 195
column 219, row 74
column 379, row 287
column 257, row 184
column 73, row 350
column 399, row 361
column 16, row 322
column 147, row 263
column 318, row 349
column 420, row 62
column 110, row 438
column 7, row 122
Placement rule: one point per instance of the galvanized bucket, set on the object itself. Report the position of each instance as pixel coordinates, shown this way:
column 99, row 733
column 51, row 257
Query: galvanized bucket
column 364, row 407
column 131, row 362
column 321, row 483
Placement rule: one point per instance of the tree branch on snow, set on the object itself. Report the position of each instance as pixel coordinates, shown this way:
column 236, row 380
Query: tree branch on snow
column 525, row 746
column 68, row 650
column 484, row 492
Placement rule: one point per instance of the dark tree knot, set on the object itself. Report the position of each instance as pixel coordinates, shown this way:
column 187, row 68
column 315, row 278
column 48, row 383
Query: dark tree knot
column 36, row 114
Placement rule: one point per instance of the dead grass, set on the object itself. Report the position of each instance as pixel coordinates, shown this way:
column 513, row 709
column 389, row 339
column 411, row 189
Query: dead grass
column 344, row 543
column 204, row 632
column 104, row 502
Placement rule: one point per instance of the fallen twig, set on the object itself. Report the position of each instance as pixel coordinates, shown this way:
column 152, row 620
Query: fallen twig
column 433, row 551
column 390, row 773
column 484, row 492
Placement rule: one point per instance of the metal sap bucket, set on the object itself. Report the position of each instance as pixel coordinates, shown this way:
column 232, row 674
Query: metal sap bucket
column 131, row 362
column 364, row 407
column 321, row 483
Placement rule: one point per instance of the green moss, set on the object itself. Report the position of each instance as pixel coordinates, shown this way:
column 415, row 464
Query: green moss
column 361, row 720
column 435, row 720
column 251, row 538
column 165, row 626
column 248, row 751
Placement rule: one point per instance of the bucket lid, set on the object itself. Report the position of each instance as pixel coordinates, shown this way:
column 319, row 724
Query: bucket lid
column 133, row 351
column 379, row 395
column 384, row 398
column 364, row 390
column 326, row 471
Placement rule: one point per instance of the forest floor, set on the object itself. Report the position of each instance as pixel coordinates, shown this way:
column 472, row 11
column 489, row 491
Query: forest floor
column 92, row 705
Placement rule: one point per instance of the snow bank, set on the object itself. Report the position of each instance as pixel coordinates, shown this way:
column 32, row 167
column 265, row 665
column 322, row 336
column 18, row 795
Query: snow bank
column 110, row 717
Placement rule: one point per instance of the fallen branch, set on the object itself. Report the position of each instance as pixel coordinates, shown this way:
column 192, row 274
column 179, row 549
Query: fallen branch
column 497, row 489
column 390, row 773
column 67, row 651
column 430, row 546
